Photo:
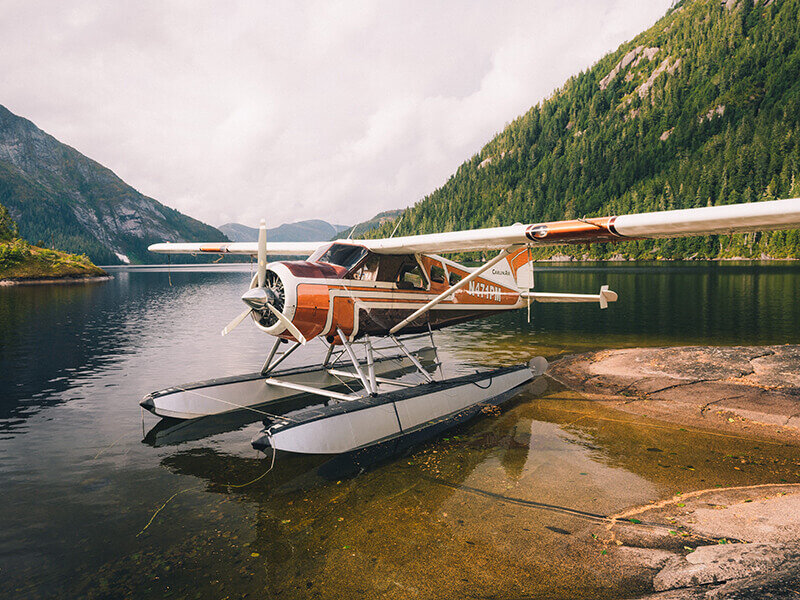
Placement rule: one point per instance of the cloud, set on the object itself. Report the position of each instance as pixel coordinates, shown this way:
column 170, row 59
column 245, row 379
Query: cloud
column 333, row 110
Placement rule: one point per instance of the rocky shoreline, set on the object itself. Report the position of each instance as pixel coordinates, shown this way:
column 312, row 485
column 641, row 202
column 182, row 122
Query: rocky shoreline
column 749, row 390
column 741, row 542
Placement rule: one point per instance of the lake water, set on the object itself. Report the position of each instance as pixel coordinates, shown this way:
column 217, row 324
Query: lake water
column 492, row 509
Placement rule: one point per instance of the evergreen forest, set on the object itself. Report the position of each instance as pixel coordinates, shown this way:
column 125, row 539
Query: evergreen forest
column 702, row 109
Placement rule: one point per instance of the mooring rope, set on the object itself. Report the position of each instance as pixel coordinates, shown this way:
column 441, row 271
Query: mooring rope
column 197, row 487
column 271, row 465
column 110, row 445
column 609, row 520
column 160, row 508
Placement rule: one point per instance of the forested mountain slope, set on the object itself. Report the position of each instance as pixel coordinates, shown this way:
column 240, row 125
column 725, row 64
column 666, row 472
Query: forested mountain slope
column 701, row 109
column 62, row 199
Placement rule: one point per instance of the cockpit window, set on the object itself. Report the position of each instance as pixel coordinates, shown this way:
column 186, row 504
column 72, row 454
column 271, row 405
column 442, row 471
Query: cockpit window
column 410, row 277
column 344, row 255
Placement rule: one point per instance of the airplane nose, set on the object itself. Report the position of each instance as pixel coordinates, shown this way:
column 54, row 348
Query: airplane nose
column 258, row 297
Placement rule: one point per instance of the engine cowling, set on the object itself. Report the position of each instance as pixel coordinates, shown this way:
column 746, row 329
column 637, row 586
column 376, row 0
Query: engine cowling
column 283, row 279
column 283, row 296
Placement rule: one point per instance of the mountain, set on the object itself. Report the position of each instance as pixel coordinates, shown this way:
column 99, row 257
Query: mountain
column 375, row 222
column 701, row 109
column 313, row 230
column 63, row 199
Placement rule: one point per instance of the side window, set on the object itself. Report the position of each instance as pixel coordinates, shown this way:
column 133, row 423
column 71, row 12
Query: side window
column 437, row 274
column 454, row 278
column 368, row 271
column 410, row 277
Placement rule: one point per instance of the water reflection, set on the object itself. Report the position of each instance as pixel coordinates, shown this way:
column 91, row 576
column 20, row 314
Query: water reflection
column 53, row 338
column 498, row 508
column 460, row 515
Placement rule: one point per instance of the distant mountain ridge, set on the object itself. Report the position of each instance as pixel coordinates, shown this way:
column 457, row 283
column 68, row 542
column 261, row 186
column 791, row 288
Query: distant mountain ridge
column 701, row 109
column 313, row 230
column 60, row 197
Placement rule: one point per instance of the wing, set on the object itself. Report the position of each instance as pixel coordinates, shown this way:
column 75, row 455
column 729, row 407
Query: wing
column 251, row 248
column 731, row 218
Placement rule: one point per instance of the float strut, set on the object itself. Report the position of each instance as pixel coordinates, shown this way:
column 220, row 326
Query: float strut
column 265, row 368
column 328, row 355
column 435, row 350
column 411, row 357
column 370, row 364
column 354, row 360
column 283, row 357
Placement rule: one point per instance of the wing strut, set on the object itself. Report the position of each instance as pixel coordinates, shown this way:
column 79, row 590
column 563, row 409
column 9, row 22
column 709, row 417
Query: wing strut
column 453, row 288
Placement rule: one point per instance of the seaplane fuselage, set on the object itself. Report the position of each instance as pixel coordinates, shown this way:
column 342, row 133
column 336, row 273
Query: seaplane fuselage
column 345, row 290
column 343, row 286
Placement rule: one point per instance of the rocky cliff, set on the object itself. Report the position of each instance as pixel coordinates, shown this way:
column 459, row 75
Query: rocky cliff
column 61, row 198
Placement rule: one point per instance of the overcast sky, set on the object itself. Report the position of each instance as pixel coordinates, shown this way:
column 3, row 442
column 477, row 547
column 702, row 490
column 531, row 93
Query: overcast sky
column 234, row 111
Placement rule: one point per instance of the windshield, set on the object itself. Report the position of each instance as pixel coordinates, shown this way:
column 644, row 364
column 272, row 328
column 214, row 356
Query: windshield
column 344, row 255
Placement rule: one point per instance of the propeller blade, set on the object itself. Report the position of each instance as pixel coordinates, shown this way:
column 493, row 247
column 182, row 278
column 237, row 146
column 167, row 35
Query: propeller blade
column 288, row 324
column 262, row 253
column 233, row 324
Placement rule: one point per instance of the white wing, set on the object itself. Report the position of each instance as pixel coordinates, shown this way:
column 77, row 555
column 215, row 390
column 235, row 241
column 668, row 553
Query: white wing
column 732, row 218
column 280, row 248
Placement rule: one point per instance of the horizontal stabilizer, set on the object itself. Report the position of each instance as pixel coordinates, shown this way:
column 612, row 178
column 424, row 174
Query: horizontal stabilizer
column 604, row 297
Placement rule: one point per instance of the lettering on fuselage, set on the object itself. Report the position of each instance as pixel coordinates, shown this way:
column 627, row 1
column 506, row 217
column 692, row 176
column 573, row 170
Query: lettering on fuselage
column 482, row 290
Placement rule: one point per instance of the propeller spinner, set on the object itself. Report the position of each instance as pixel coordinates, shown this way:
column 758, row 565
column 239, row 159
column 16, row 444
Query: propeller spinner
column 261, row 299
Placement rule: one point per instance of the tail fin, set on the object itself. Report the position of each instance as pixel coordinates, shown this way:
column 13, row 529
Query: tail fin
column 521, row 266
column 514, row 271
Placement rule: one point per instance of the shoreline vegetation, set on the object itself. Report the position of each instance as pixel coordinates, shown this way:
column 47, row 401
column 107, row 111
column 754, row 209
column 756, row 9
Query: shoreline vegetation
column 24, row 263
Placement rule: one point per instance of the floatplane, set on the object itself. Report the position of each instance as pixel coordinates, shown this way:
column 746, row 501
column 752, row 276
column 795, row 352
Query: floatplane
column 365, row 298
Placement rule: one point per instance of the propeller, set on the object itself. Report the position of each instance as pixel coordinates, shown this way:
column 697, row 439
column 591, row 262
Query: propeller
column 262, row 254
column 288, row 324
column 233, row 324
column 259, row 297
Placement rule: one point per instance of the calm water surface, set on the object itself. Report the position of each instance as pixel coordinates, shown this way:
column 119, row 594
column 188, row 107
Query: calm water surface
column 89, row 510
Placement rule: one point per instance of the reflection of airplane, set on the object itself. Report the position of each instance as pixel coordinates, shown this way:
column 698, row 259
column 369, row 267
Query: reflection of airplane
column 348, row 291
